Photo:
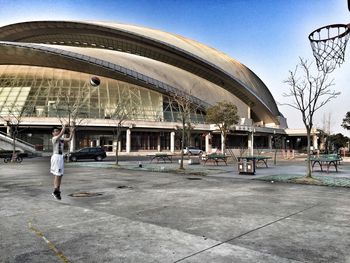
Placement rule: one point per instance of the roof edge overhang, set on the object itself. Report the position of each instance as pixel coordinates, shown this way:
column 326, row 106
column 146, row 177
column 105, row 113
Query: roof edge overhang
column 43, row 56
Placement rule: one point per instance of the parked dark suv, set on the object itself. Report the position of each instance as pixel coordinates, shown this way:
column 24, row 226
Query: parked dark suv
column 96, row 153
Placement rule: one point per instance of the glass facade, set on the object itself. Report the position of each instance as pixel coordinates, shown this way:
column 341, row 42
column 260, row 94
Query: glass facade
column 49, row 92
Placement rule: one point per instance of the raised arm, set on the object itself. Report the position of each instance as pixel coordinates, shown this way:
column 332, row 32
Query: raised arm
column 62, row 131
column 71, row 132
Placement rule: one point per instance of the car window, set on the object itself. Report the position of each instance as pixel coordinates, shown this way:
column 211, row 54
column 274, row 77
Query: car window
column 85, row 150
column 96, row 150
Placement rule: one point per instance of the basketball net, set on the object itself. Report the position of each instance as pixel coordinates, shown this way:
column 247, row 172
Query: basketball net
column 328, row 45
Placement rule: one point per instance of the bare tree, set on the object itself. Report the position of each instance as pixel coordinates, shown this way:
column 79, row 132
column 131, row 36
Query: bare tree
column 323, row 139
column 188, row 132
column 224, row 115
column 243, row 146
column 12, row 114
column 278, row 139
column 183, row 104
column 118, row 114
column 189, row 129
column 71, row 108
column 326, row 127
column 309, row 94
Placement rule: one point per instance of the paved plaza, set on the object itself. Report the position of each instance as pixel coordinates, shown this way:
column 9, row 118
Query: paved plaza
column 150, row 214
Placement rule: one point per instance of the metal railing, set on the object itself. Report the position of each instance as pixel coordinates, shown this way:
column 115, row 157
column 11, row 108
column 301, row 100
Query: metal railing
column 17, row 139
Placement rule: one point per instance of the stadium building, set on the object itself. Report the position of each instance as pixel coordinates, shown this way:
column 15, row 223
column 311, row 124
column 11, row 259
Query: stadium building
column 46, row 66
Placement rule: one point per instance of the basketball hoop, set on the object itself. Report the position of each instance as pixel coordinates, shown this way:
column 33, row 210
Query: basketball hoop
column 328, row 45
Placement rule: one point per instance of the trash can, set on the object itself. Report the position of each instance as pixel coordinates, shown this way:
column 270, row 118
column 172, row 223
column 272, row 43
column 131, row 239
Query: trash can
column 246, row 167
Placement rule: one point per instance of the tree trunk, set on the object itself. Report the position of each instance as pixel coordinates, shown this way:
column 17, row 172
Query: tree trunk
column 117, row 153
column 224, row 142
column 182, row 146
column 189, row 135
column 14, row 136
column 68, row 153
column 13, row 159
column 70, row 142
column 309, row 170
column 117, row 148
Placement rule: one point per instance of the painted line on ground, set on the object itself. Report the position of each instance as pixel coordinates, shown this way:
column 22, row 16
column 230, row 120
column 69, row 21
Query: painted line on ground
column 58, row 253
column 246, row 233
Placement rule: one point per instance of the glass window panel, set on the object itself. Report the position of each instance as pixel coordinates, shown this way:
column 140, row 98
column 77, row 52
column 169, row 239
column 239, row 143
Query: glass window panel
column 46, row 87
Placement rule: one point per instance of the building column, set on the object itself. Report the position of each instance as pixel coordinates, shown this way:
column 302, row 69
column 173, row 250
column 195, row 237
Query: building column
column 314, row 142
column 172, row 142
column 270, row 141
column 98, row 142
column 208, row 143
column 158, row 143
column 119, row 146
column 251, row 143
column 8, row 129
column 115, row 146
column 128, row 140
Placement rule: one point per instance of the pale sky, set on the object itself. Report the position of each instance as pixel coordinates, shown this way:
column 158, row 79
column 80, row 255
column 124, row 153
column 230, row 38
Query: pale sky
column 268, row 36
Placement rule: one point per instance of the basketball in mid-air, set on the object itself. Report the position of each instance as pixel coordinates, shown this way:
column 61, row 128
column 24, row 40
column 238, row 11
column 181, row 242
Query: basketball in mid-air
column 95, row 81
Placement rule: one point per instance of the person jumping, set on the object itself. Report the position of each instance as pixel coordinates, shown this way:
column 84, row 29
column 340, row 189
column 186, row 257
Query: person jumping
column 57, row 161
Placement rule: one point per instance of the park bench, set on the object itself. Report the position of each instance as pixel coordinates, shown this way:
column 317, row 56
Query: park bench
column 215, row 158
column 161, row 157
column 327, row 160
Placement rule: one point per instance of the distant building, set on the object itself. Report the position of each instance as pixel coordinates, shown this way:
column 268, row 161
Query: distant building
column 43, row 61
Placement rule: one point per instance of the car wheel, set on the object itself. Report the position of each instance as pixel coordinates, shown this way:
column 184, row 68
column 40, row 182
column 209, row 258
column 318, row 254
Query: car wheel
column 19, row 159
column 74, row 158
column 98, row 158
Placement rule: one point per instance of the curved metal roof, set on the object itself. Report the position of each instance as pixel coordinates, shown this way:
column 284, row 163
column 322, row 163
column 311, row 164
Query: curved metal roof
column 144, row 71
column 189, row 55
column 63, row 58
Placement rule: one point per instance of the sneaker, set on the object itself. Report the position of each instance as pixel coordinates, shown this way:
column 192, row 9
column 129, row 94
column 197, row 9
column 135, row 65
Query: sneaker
column 57, row 195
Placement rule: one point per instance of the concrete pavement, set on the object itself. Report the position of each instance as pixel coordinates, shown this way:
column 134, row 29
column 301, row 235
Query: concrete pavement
column 143, row 216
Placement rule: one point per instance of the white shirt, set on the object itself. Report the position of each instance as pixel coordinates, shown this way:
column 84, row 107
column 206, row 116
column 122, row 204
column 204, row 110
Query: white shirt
column 57, row 143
